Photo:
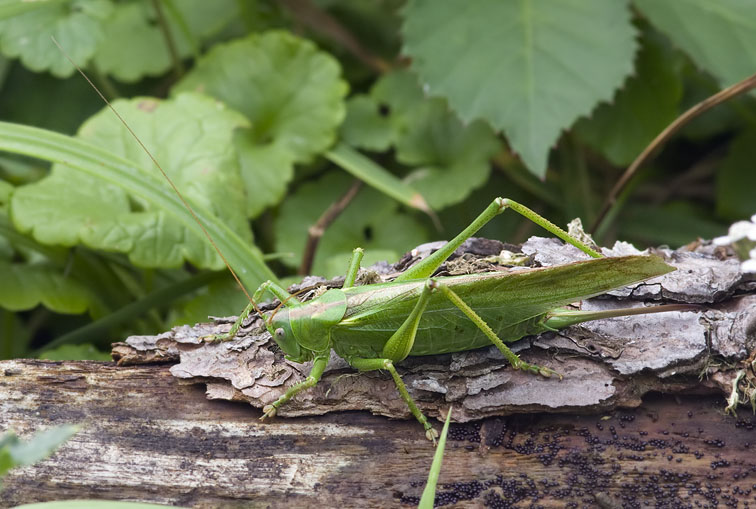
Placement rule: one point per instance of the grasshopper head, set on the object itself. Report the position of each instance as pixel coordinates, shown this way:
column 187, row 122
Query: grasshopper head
column 279, row 326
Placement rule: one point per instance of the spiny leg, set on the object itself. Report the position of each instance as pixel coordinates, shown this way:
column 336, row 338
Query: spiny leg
column 375, row 364
column 318, row 366
column 425, row 268
column 274, row 288
column 512, row 357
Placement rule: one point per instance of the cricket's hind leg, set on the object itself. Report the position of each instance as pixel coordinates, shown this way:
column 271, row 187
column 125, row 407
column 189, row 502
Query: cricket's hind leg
column 425, row 268
column 512, row 357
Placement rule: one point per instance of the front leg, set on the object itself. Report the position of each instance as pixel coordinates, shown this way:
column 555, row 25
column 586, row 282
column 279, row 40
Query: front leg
column 270, row 286
column 318, row 366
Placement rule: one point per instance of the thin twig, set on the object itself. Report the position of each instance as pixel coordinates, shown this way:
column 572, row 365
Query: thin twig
column 312, row 16
column 708, row 103
column 178, row 66
column 316, row 231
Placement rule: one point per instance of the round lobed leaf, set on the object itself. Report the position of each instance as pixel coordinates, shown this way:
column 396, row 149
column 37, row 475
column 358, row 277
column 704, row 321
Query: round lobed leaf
column 191, row 136
column 371, row 221
column 291, row 92
column 448, row 159
column 135, row 45
column 77, row 25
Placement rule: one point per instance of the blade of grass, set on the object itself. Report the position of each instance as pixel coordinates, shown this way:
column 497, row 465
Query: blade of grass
column 95, row 332
column 377, row 177
column 429, row 493
column 246, row 259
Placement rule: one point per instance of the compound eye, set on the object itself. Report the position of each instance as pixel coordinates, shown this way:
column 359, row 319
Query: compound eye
column 280, row 333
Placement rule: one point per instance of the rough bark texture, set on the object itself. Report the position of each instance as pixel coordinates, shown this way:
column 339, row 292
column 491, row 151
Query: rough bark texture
column 150, row 434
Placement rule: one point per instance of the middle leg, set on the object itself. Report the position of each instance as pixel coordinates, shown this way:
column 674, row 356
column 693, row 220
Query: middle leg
column 512, row 357
column 364, row 364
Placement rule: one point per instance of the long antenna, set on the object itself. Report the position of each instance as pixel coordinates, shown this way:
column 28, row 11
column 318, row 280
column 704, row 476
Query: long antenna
column 165, row 175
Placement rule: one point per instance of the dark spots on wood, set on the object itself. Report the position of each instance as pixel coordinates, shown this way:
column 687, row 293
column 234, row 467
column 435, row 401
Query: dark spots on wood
column 624, row 461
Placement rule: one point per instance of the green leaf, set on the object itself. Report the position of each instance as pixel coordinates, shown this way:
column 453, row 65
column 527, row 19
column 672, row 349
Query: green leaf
column 5, row 191
column 116, row 173
column 642, row 109
column 290, row 91
column 26, row 286
column 136, row 45
column 529, row 68
column 370, row 221
column 10, row 8
column 77, row 25
column 429, row 493
column 191, row 137
column 365, row 126
column 736, row 179
column 81, row 352
column 719, row 36
column 448, row 158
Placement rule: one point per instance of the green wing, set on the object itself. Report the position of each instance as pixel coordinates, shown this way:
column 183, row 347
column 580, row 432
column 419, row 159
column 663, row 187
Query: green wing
column 510, row 302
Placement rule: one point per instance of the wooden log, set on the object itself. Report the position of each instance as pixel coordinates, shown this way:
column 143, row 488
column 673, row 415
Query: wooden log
column 147, row 436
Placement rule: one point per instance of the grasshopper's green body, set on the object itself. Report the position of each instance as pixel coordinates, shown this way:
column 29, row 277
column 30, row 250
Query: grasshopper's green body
column 376, row 325
column 514, row 304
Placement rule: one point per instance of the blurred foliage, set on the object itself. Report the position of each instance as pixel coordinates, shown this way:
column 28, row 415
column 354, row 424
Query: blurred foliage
column 265, row 112
column 17, row 453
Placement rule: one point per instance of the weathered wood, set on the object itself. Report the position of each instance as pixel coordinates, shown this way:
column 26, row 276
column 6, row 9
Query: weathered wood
column 147, row 436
